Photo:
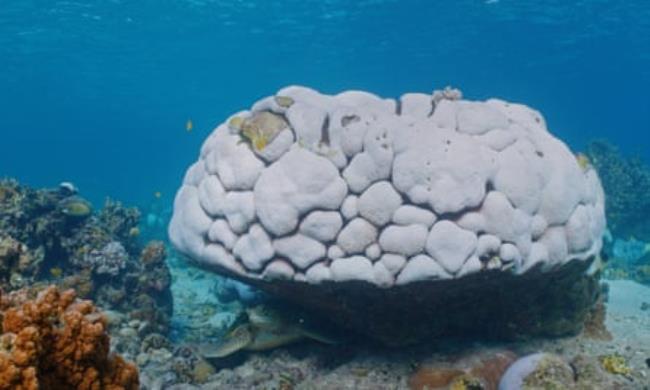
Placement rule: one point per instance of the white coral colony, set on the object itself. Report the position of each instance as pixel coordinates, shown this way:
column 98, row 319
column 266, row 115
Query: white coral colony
column 430, row 187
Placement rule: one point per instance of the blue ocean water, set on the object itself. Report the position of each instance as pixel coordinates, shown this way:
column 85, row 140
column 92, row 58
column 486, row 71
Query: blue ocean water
column 99, row 92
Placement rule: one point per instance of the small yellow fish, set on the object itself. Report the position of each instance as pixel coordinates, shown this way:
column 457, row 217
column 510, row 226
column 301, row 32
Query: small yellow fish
column 189, row 125
column 56, row 272
column 157, row 194
column 134, row 232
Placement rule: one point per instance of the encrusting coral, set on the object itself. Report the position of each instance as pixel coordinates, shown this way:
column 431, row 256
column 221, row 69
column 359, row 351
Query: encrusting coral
column 55, row 341
column 594, row 326
column 109, row 260
column 121, row 222
column 615, row 364
column 15, row 259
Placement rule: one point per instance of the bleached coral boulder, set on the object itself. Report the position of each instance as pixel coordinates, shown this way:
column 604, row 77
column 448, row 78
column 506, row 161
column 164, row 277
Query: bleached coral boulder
column 308, row 190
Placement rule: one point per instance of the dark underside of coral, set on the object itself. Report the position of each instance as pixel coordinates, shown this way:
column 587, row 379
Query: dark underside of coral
column 489, row 305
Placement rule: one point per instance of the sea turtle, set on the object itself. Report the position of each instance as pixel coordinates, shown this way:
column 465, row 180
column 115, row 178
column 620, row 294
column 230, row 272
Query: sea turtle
column 265, row 328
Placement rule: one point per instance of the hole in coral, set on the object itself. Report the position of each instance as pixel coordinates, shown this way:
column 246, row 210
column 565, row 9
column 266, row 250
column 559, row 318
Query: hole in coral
column 325, row 131
column 348, row 119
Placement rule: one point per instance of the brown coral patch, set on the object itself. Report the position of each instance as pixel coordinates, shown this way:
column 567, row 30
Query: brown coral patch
column 153, row 253
column 594, row 327
column 483, row 369
column 432, row 378
column 81, row 282
column 490, row 368
column 58, row 342
column 15, row 257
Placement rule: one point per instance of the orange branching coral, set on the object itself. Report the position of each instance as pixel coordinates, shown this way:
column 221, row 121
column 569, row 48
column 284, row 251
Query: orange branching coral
column 56, row 341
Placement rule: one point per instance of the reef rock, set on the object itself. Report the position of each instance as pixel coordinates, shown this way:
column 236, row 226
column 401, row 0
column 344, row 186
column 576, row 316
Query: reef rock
column 109, row 260
column 384, row 214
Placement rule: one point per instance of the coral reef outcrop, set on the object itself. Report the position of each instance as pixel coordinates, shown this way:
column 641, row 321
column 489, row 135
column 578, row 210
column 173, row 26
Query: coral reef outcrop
column 626, row 181
column 55, row 341
column 382, row 214
column 16, row 262
column 109, row 260
column 54, row 236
